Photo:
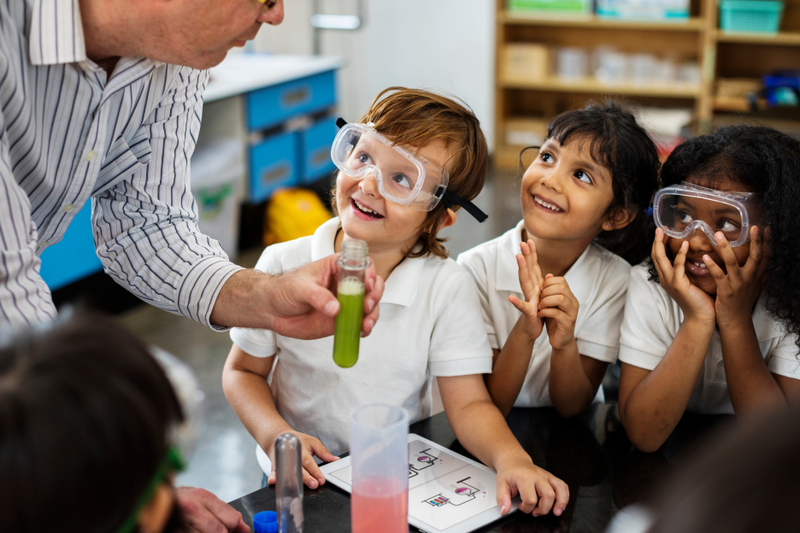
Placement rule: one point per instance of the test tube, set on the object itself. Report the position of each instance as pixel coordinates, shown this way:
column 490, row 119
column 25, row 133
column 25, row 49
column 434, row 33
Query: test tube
column 352, row 264
column 289, row 486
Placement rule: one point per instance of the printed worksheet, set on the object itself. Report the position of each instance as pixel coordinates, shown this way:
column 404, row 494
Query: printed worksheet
column 443, row 490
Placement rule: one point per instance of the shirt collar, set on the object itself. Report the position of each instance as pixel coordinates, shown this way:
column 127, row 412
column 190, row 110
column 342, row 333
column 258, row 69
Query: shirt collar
column 56, row 34
column 507, row 271
column 401, row 287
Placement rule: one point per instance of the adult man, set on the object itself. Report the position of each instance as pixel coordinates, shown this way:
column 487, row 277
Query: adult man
column 93, row 103
column 103, row 99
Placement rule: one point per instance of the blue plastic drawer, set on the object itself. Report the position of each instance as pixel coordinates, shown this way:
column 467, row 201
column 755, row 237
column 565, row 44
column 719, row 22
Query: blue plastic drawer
column 273, row 164
column 74, row 256
column 272, row 105
column 316, row 146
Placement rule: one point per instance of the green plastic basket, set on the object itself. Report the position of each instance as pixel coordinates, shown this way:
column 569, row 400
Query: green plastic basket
column 750, row 15
column 583, row 7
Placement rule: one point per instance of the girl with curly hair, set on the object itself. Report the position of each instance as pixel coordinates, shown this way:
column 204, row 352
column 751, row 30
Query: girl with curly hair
column 711, row 323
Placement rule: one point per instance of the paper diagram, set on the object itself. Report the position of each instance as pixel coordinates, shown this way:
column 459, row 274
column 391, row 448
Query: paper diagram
column 420, row 461
column 463, row 491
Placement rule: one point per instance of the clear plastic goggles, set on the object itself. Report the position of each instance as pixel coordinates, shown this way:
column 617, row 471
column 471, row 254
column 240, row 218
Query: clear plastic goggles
column 405, row 178
column 680, row 210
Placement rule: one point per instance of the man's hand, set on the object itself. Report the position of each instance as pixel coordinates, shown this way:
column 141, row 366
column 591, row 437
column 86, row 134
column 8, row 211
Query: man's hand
column 205, row 513
column 300, row 304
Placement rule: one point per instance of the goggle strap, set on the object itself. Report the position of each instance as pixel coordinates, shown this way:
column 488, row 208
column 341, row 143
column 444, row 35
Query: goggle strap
column 451, row 198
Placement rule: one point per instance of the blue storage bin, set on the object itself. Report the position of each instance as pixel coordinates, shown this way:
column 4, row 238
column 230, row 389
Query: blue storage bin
column 750, row 15
column 316, row 150
column 74, row 256
column 273, row 164
column 271, row 106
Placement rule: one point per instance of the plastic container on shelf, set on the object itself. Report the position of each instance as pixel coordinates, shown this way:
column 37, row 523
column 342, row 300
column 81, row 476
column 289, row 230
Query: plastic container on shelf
column 662, row 10
column 762, row 16
column 217, row 173
column 556, row 7
column 572, row 63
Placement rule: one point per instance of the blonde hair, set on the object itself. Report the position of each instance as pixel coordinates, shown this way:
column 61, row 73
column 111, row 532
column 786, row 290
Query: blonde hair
column 414, row 117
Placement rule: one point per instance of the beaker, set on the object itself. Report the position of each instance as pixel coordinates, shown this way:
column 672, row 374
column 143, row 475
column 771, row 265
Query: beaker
column 379, row 460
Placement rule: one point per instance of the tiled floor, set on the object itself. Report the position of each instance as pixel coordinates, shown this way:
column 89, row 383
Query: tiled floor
column 224, row 458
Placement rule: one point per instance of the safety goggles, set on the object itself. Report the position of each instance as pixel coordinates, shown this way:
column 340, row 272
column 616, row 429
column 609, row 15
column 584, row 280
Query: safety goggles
column 404, row 177
column 680, row 210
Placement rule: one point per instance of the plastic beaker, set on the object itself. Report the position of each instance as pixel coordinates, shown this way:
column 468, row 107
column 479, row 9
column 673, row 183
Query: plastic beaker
column 379, row 461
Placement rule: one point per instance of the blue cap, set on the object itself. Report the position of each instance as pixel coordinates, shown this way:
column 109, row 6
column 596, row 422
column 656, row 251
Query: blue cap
column 265, row 522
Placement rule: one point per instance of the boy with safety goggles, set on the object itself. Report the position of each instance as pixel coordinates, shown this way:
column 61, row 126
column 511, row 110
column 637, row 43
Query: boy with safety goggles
column 405, row 169
column 711, row 324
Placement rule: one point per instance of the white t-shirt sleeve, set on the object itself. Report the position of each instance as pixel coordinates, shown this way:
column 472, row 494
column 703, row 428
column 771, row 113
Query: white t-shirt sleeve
column 598, row 337
column 784, row 359
column 459, row 345
column 475, row 264
column 645, row 334
column 260, row 342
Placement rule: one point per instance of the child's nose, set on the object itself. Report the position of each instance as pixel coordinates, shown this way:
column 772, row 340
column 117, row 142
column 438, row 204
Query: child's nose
column 698, row 241
column 369, row 184
column 553, row 180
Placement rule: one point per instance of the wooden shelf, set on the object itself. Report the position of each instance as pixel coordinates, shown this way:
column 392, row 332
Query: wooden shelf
column 589, row 85
column 693, row 24
column 770, row 39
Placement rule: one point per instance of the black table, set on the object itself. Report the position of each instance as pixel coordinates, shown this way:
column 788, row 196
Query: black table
column 591, row 453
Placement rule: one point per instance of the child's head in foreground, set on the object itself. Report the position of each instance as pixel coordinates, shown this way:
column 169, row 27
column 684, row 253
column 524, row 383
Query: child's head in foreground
column 411, row 161
column 763, row 165
column 84, row 417
column 593, row 178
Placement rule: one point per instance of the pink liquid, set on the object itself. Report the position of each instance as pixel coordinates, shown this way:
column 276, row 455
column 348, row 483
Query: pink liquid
column 379, row 505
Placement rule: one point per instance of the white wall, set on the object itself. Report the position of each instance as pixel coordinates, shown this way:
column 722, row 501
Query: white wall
column 442, row 45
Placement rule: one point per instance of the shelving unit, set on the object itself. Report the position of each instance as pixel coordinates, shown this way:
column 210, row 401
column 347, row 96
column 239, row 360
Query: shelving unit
column 719, row 54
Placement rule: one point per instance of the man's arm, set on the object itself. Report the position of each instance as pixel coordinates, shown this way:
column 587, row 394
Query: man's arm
column 24, row 296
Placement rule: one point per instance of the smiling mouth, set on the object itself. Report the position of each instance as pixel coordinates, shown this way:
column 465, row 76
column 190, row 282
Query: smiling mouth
column 546, row 205
column 364, row 209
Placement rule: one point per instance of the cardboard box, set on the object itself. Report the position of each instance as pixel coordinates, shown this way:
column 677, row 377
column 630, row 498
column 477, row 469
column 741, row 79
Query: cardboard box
column 525, row 62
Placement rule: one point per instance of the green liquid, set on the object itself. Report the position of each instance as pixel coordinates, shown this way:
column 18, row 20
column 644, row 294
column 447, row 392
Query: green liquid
column 348, row 323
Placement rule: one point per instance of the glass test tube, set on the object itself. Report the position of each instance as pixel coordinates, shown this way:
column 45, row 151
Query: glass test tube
column 289, row 485
column 352, row 264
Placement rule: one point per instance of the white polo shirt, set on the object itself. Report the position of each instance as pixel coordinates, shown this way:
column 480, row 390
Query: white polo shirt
column 598, row 279
column 652, row 320
column 430, row 325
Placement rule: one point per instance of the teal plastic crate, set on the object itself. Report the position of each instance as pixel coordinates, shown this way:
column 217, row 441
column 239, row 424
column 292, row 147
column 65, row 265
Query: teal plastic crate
column 750, row 15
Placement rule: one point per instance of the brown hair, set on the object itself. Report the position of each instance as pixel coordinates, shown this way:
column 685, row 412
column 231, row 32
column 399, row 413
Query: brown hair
column 414, row 117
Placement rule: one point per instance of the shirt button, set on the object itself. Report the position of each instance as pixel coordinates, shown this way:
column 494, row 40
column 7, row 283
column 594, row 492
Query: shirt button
column 90, row 155
column 68, row 208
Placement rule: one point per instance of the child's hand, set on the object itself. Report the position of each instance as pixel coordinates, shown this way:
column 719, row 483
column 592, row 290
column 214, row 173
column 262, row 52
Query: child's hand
column 530, row 279
column 560, row 309
column 693, row 301
column 312, row 476
column 539, row 490
column 739, row 288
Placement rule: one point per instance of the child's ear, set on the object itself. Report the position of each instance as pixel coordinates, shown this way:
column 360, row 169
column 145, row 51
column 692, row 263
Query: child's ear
column 618, row 218
column 449, row 219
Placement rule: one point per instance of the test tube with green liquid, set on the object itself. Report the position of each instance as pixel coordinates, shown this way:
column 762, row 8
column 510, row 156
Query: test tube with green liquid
column 352, row 264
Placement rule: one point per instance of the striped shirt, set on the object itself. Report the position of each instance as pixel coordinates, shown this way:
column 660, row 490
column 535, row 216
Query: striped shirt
column 69, row 133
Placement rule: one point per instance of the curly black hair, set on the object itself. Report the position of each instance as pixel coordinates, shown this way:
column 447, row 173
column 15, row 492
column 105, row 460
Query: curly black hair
column 623, row 146
column 765, row 161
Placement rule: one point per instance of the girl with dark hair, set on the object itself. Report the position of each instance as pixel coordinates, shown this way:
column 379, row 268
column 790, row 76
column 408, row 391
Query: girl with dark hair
column 553, row 318
column 711, row 322
column 86, row 420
